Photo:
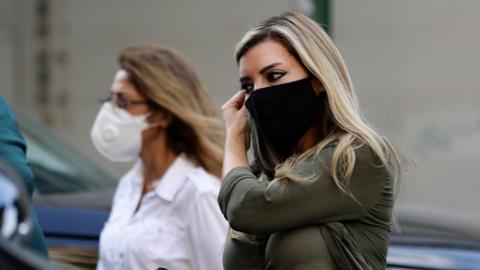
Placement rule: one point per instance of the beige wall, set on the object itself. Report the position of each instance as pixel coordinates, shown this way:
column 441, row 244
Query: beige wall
column 415, row 65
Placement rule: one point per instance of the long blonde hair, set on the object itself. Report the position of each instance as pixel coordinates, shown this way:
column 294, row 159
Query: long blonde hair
column 341, row 120
column 172, row 86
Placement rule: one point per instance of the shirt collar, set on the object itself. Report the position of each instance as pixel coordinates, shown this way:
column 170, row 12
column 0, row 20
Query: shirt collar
column 173, row 179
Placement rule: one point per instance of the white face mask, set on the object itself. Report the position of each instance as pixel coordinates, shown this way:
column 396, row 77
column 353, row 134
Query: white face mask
column 117, row 134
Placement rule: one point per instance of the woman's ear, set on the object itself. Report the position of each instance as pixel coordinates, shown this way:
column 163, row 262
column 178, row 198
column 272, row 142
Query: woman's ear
column 317, row 85
column 160, row 119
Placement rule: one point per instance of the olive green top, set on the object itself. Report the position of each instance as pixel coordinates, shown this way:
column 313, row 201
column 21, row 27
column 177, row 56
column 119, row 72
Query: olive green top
column 311, row 225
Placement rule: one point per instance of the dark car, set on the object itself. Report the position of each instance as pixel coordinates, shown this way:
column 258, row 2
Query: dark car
column 74, row 195
column 433, row 238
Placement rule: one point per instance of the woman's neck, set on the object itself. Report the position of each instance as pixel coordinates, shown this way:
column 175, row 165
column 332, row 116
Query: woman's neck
column 312, row 137
column 157, row 158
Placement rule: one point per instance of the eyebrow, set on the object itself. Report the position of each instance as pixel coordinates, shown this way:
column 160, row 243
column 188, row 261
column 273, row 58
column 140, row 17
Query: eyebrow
column 265, row 69
column 262, row 71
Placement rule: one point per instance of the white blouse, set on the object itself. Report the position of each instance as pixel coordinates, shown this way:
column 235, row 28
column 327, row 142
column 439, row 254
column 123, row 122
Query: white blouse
column 177, row 226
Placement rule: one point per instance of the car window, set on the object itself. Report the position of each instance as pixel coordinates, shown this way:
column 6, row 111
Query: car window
column 52, row 175
column 41, row 157
column 57, row 166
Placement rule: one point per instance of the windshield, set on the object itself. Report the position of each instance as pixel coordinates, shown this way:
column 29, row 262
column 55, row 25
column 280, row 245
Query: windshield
column 57, row 167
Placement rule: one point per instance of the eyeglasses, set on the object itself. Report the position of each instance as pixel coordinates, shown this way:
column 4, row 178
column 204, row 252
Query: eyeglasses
column 121, row 102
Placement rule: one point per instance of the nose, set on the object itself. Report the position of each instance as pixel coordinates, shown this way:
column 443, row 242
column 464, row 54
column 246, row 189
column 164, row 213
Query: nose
column 260, row 84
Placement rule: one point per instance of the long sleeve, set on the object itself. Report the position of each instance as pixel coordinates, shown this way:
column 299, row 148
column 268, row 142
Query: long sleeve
column 13, row 151
column 260, row 207
column 208, row 231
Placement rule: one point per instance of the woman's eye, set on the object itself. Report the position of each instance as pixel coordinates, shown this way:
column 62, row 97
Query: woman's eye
column 248, row 87
column 121, row 101
column 274, row 75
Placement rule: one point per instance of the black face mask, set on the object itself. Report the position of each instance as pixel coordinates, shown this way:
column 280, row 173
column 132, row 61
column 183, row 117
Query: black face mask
column 283, row 113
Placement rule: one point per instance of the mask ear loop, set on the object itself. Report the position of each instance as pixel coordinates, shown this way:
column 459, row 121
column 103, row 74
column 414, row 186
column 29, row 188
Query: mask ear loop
column 153, row 126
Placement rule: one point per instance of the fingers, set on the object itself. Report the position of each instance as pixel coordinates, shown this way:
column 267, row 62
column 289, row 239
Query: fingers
column 235, row 102
column 243, row 109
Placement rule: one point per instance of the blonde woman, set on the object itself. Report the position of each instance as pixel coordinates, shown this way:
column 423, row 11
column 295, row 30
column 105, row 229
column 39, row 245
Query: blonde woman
column 164, row 213
column 320, row 192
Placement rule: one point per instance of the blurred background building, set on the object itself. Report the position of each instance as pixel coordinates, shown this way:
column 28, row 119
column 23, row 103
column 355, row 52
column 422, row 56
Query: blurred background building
column 415, row 65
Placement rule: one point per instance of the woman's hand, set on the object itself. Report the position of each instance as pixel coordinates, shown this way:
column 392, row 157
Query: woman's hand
column 235, row 117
